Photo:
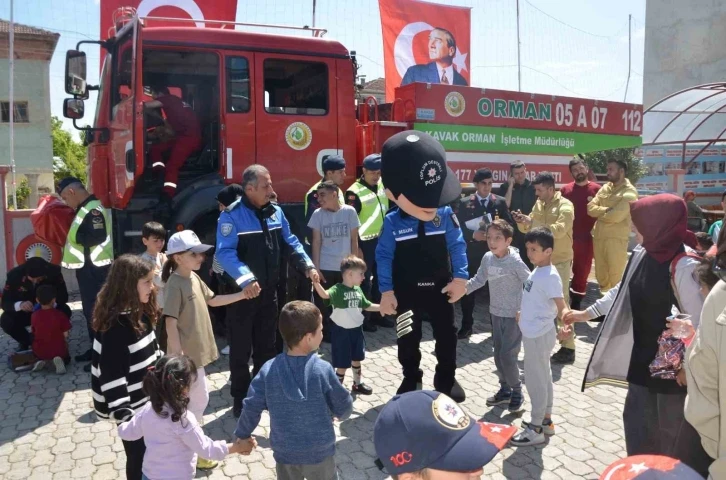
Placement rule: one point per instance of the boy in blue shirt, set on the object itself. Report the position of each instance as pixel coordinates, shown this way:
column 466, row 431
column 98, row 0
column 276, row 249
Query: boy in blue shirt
column 302, row 394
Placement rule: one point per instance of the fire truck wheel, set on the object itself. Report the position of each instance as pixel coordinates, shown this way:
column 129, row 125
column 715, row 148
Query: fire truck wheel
column 32, row 246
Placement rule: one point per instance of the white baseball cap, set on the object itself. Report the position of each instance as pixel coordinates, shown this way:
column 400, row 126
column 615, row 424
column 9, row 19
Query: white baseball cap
column 185, row 241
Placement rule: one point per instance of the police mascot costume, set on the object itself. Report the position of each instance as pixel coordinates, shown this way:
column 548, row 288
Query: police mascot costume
column 421, row 255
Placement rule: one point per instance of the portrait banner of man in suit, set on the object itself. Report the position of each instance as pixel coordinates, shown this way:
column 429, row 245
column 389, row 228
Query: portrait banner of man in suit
column 425, row 42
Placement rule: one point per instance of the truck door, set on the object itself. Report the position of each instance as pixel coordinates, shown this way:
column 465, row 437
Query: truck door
column 296, row 119
column 125, row 121
column 237, row 125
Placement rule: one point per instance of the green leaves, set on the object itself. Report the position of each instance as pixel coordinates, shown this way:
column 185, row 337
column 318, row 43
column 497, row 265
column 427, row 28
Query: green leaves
column 69, row 155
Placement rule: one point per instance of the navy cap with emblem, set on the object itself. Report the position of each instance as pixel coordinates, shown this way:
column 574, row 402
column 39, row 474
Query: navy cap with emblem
column 413, row 163
column 427, row 429
column 372, row 162
column 333, row 162
column 67, row 181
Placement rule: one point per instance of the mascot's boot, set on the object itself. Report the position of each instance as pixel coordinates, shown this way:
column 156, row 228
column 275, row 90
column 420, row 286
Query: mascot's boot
column 449, row 387
column 409, row 384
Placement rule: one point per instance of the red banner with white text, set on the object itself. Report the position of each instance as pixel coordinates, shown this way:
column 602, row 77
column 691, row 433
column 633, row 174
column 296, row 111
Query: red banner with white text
column 199, row 10
column 425, row 42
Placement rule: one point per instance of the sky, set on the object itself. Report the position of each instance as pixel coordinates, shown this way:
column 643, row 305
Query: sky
column 573, row 48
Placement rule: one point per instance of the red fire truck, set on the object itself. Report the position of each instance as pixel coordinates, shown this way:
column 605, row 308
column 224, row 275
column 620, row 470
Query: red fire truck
column 288, row 102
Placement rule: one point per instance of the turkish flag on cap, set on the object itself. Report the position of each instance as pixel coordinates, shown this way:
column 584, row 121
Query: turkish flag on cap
column 649, row 467
column 407, row 27
column 225, row 10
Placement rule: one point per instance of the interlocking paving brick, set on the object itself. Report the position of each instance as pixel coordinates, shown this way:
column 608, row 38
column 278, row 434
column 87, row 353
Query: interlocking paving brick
column 48, row 430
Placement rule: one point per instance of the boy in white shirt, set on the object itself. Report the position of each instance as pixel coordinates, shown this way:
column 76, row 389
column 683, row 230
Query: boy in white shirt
column 542, row 300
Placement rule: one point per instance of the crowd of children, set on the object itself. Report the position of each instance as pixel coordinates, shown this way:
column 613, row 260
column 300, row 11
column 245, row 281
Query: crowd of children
column 159, row 400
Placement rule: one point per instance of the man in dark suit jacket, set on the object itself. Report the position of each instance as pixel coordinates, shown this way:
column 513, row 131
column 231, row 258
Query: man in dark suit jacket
column 19, row 296
column 481, row 203
column 442, row 49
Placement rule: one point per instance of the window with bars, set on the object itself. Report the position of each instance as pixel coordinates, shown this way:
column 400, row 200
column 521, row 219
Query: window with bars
column 20, row 112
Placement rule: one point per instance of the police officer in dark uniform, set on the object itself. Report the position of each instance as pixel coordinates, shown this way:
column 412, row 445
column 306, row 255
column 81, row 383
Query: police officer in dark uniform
column 489, row 207
column 88, row 249
column 421, row 255
column 19, row 297
column 252, row 235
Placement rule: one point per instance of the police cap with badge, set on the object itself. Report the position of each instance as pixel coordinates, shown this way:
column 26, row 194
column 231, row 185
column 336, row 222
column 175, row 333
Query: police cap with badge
column 427, row 429
column 413, row 164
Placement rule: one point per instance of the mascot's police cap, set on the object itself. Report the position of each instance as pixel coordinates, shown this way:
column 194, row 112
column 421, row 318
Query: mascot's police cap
column 413, row 163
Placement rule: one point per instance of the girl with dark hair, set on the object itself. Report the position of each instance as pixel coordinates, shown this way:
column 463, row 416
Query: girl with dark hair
column 124, row 345
column 172, row 434
column 188, row 326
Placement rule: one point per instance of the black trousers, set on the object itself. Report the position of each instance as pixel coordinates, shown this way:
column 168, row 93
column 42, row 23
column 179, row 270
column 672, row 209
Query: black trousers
column 134, row 458
column 90, row 280
column 370, row 285
column 15, row 324
column 467, row 306
column 431, row 302
column 252, row 326
column 518, row 242
column 656, row 425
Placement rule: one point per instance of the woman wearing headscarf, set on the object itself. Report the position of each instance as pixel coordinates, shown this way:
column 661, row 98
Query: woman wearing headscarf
column 659, row 275
column 696, row 218
column 706, row 391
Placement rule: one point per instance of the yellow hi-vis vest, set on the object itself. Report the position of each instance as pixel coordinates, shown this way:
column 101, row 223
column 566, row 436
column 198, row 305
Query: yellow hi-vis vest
column 374, row 206
column 73, row 257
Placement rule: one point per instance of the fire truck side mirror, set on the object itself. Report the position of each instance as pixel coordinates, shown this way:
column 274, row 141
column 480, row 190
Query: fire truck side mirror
column 76, row 74
column 73, row 108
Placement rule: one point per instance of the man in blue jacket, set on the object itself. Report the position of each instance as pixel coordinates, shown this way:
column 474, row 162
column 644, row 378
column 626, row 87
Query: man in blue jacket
column 252, row 237
column 421, row 255
column 442, row 50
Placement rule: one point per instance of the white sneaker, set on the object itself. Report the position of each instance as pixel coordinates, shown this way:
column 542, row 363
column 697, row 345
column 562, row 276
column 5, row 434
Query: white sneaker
column 39, row 366
column 60, row 366
column 528, row 437
column 225, row 350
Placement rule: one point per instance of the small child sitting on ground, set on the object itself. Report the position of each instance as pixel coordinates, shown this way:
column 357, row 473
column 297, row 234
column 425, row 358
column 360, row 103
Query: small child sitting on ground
column 50, row 329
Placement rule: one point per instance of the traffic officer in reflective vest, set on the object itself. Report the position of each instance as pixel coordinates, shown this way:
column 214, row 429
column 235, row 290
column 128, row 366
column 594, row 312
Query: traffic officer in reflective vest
column 368, row 196
column 89, row 248
column 421, row 255
column 333, row 170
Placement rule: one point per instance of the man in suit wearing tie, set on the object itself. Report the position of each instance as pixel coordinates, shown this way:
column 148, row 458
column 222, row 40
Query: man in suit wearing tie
column 483, row 203
column 442, row 49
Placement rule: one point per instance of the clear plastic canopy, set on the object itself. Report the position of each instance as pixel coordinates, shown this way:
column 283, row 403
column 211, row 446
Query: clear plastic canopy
column 692, row 119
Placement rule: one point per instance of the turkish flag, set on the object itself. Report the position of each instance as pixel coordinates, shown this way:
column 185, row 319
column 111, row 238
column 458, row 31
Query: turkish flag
column 225, row 10
column 421, row 40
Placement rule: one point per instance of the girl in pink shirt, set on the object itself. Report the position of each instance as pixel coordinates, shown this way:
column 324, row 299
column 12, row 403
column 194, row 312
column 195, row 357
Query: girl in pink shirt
column 172, row 434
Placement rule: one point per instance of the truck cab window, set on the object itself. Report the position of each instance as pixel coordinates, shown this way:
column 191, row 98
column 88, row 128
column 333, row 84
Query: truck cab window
column 294, row 87
column 122, row 74
column 238, row 85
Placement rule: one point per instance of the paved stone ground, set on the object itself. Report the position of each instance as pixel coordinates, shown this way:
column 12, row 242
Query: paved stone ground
column 48, row 430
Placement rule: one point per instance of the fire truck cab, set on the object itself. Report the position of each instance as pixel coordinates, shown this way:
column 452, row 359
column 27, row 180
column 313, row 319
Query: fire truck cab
column 281, row 101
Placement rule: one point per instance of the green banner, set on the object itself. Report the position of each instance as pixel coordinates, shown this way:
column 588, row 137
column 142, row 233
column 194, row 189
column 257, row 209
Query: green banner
column 468, row 138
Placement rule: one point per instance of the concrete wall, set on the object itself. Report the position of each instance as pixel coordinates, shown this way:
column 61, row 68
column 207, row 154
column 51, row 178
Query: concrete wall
column 685, row 45
column 33, row 144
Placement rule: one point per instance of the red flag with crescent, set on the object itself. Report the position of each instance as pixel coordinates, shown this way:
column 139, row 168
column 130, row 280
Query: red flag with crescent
column 425, row 42
column 200, row 10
